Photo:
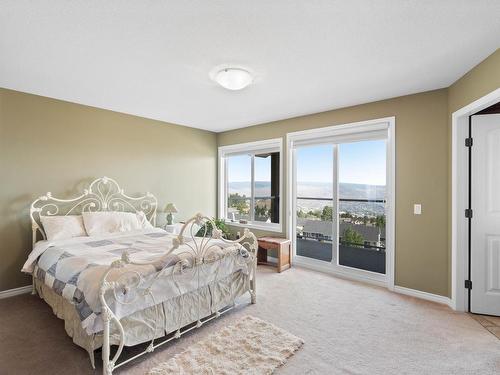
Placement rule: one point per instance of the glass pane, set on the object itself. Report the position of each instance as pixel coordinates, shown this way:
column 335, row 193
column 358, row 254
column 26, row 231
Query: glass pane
column 266, row 187
column 263, row 210
column 314, row 202
column 362, row 180
column 239, row 176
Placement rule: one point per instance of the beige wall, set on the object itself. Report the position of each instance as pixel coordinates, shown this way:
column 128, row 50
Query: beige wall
column 50, row 145
column 421, row 256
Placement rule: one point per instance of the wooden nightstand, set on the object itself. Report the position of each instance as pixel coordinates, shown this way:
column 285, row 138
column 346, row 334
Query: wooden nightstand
column 283, row 250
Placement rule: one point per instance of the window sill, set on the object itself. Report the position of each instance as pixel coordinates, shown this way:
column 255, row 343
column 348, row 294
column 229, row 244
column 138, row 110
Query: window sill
column 265, row 227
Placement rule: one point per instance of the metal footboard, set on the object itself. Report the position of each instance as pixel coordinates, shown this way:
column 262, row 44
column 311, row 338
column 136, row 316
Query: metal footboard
column 201, row 254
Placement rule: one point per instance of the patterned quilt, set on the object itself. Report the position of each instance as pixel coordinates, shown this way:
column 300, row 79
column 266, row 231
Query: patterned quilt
column 74, row 268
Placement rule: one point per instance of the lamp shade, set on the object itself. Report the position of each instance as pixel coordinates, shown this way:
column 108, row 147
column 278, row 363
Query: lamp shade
column 170, row 208
column 233, row 78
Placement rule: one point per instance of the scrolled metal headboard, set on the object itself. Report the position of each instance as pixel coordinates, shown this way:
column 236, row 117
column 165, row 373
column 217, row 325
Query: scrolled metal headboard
column 103, row 194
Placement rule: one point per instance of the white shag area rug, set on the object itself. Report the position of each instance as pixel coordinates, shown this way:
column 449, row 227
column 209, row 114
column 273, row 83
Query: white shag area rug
column 249, row 347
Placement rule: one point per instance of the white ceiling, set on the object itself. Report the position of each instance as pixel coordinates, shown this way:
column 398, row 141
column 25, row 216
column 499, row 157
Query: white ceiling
column 152, row 58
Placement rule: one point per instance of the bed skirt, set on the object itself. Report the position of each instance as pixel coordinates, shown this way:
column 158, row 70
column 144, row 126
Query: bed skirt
column 174, row 313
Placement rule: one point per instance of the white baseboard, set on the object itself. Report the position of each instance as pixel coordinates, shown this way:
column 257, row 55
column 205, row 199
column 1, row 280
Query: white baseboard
column 16, row 291
column 423, row 295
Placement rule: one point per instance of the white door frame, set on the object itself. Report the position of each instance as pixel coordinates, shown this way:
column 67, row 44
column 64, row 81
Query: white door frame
column 459, row 193
column 337, row 131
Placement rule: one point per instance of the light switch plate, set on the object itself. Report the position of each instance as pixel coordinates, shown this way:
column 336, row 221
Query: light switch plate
column 417, row 209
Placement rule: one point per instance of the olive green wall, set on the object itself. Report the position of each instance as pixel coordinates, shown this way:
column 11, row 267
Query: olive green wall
column 51, row 145
column 421, row 257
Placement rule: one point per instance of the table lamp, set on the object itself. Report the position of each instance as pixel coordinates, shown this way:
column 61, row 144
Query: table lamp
column 170, row 209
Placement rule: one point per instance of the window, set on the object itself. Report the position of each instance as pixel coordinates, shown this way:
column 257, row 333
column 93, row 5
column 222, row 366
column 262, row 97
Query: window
column 250, row 184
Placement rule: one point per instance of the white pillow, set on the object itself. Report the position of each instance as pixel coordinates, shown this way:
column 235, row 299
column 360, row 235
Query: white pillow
column 143, row 220
column 63, row 227
column 98, row 223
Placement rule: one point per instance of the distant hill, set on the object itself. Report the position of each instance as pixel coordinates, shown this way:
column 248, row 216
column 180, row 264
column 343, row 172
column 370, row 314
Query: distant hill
column 324, row 190
column 314, row 189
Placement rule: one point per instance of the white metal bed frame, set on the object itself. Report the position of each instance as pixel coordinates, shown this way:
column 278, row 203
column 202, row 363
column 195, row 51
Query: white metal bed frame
column 104, row 194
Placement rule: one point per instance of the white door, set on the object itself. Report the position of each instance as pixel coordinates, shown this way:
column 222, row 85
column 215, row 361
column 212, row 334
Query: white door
column 485, row 230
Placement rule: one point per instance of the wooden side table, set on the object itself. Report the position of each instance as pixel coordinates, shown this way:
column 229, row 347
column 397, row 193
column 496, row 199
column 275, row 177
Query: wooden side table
column 282, row 247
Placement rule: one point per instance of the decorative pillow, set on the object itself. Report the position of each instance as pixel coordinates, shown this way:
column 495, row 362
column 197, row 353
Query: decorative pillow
column 143, row 221
column 63, row 227
column 98, row 223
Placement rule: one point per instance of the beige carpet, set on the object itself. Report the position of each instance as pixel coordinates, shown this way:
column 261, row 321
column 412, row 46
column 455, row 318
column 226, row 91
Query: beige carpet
column 349, row 328
column 249, row 346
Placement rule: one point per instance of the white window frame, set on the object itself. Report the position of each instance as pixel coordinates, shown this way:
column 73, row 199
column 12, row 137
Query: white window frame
column 344, row 133
column 268, row 145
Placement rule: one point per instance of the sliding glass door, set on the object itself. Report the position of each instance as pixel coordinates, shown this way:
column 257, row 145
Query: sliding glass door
column 340, row 201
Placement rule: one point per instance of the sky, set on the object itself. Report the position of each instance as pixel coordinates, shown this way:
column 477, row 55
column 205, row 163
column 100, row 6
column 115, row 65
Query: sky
column 359, row 163
column 238, row 168
column 363, row 162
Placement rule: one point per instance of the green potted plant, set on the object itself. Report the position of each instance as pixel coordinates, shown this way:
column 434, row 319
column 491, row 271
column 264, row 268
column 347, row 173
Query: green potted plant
column 219, row 223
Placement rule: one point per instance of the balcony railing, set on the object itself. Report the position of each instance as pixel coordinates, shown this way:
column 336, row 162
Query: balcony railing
column 364, row 246
column 366, row 255
column 263, row 208
column 343, row 199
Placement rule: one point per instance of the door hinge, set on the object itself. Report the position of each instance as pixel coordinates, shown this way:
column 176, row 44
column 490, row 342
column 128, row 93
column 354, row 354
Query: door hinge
column 468, row 142
column 468, row 284
column 468, row 213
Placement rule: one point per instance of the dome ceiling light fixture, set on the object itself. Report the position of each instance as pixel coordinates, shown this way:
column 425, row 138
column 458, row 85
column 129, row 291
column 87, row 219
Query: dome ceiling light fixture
column 233, row 78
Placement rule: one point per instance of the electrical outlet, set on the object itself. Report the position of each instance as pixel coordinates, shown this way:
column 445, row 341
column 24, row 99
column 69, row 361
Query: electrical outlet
column 417, row 209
